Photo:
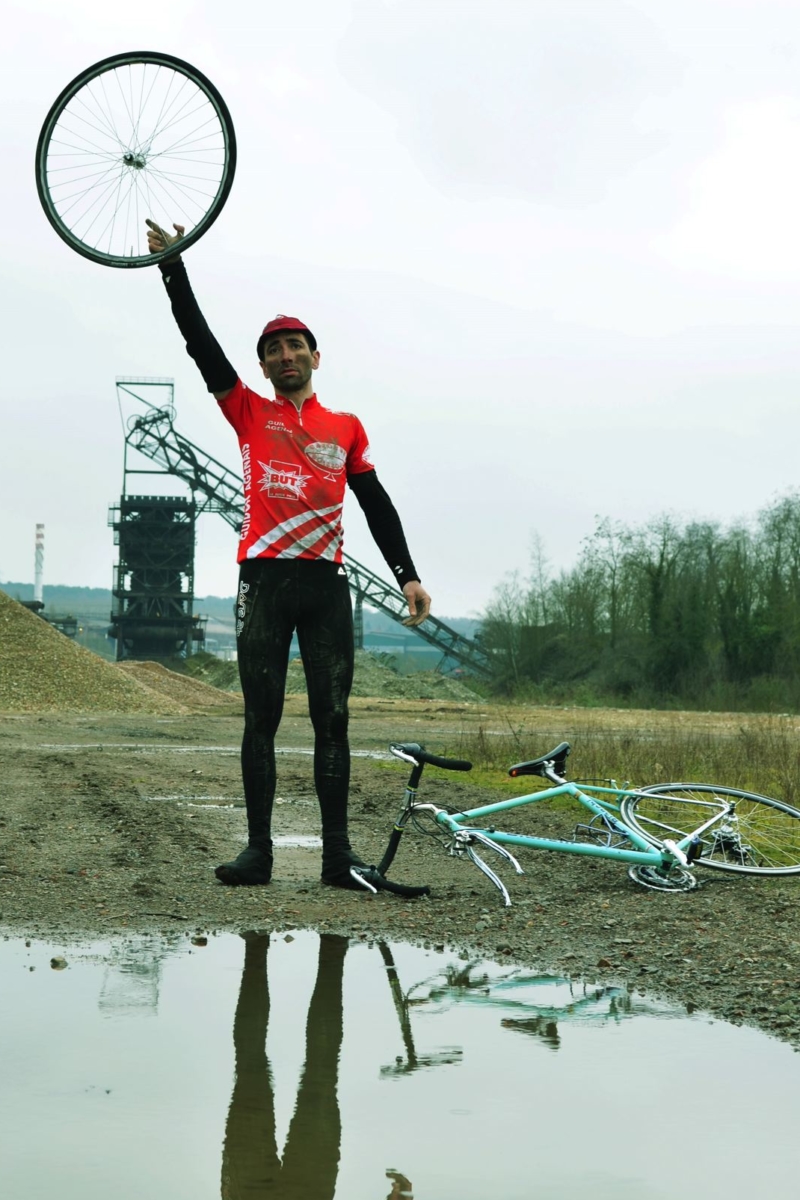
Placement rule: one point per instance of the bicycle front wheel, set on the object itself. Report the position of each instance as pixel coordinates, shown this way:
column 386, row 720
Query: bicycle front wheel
column 137, row 135
column 759, row 836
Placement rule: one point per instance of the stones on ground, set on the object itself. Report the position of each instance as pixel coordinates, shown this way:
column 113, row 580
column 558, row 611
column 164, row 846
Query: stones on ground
column 58, row 963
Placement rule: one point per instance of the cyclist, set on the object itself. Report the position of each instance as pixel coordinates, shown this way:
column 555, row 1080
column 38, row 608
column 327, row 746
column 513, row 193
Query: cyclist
column 297, row 457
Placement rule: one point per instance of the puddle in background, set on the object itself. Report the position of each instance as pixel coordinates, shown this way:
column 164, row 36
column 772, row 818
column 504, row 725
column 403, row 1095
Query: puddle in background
column 229, row 751
column 153, row 1067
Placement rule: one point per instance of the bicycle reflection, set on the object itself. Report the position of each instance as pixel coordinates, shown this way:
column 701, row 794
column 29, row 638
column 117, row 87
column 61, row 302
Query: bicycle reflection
column 529, row 1003
column 252, row 1168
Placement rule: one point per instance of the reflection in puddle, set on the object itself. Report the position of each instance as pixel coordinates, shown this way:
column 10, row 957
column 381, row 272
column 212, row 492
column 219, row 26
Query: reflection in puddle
column 358, row 1070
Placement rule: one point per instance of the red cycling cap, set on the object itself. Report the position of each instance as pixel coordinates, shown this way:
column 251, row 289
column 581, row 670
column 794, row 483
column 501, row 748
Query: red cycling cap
column 280, row 324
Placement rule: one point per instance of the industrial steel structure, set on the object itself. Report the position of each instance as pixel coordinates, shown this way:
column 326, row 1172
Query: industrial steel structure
column 153, row 591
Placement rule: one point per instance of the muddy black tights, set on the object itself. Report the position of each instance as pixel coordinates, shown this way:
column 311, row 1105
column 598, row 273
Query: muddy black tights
column 277, row 597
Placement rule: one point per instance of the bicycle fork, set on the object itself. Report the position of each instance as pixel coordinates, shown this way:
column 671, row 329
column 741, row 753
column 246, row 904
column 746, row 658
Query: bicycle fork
column 462, row 842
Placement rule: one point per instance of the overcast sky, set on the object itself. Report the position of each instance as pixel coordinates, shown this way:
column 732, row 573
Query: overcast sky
column 550, row 250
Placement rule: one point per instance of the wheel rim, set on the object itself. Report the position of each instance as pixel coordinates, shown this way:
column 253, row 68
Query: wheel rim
column 761, row 836
column 134, row 137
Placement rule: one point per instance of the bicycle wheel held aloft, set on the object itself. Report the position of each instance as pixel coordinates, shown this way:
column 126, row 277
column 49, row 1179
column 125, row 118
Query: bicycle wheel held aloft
column 137, row 135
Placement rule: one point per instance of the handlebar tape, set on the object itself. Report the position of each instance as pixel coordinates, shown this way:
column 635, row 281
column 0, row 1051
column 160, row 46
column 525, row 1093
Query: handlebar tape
column 415, row 751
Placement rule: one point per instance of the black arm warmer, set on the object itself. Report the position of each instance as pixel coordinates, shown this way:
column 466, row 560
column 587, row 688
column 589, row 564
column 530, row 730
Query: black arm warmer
column 384, row 525
column 201, row 344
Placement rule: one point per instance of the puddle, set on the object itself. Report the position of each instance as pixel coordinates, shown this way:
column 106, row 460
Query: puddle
column 300, row 1067
column 223, row 751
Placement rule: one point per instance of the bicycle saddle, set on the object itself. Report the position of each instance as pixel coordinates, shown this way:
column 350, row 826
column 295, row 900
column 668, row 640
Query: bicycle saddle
column 537, row 766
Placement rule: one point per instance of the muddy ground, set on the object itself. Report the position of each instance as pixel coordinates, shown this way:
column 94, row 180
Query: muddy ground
column 112, row 824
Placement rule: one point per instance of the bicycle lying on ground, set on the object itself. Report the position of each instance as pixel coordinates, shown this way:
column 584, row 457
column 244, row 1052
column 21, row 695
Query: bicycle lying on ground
column 663, row 831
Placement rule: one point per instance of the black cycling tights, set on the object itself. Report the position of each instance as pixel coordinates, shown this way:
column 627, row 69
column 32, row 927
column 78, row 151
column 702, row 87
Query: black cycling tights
column 276, row 597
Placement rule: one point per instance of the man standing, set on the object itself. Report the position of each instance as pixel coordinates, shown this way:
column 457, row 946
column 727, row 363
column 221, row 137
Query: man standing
column 297, row 457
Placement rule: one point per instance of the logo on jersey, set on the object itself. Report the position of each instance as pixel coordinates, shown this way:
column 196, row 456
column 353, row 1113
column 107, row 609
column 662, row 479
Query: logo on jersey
column 283, row 481
column 328, row 455
column 241, row 606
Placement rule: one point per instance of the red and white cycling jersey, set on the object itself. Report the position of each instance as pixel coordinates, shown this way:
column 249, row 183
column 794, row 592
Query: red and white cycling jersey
column 295, row 467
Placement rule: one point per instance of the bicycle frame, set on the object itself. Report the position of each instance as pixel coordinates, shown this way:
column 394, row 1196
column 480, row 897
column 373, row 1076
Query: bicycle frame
column 646, row 853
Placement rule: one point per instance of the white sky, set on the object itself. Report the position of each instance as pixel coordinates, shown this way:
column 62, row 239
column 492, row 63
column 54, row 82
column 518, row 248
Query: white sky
column 550, row 249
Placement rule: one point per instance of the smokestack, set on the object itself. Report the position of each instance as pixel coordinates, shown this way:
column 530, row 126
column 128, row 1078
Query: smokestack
column 39, row 567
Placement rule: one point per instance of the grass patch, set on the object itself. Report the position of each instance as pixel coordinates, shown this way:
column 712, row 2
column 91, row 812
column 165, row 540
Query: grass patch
column 761, row 755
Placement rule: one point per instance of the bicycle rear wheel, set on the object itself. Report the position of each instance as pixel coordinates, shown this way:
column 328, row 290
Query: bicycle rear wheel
column 761, row 836
column 136, row 135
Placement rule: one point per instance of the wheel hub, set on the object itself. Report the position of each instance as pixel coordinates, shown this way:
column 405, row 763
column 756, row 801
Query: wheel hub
column 132, row 159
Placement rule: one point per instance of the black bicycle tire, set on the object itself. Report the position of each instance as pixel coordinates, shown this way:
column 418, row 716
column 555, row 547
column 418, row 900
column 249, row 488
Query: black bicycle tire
column 630, row 804
column 71, row 90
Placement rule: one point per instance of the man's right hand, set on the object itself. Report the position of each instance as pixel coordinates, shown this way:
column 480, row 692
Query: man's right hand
column 159, row 240
column 400, row 1186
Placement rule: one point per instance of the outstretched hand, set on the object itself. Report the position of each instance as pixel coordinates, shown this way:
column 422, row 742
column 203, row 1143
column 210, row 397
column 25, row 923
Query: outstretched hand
column 400, row 1186
column 159, row 240
column 419, row 603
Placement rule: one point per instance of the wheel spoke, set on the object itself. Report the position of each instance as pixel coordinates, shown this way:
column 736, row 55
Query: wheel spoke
column 81, row 149
column 110, row 109
column 79, row 178
column 146, row 101
column 98, row 206
column 76, row 116
column 172, row 201
column 82, row 195
column 104, row 115
column 113, row 220
column 184, row 188
column 160, row 132
column 165, row 111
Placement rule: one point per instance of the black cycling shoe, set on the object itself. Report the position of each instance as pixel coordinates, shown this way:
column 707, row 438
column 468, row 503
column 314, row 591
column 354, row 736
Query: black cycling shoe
column 249, row 869
column 337, row 859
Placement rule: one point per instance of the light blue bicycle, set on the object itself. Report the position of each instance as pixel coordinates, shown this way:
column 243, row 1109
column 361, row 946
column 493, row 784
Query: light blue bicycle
column 662, row 832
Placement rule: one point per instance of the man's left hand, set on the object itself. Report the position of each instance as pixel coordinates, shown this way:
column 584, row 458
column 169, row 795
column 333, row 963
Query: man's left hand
column 419, row 603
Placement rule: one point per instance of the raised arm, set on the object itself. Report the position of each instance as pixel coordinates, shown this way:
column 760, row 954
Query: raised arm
column 384, row 525
column 201, row 345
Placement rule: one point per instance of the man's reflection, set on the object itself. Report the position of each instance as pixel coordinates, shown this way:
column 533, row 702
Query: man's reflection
column 251, row 1166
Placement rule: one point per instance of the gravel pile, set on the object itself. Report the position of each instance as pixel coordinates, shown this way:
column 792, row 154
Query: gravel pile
column 373, row 678
column 43, row 671
column 189, row 694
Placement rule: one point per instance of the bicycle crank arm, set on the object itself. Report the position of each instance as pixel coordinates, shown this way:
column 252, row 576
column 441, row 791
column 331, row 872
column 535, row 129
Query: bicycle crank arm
column 485, row 840
column 489, row 873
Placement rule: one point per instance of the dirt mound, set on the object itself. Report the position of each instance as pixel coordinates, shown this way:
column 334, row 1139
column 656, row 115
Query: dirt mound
column 41, row 670
column 192, row 693
column 374, row 678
